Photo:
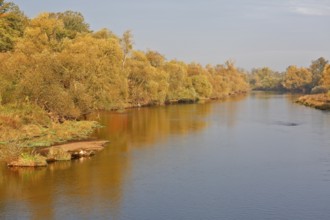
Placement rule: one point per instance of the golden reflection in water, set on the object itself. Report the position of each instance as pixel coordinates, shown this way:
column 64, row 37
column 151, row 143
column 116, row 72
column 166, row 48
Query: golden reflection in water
column 142, row 127
column 25, row 185
column 101, row 179
column 38, row 188
column 230, row 109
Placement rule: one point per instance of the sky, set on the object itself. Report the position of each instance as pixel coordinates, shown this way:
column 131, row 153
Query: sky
column 252, row 33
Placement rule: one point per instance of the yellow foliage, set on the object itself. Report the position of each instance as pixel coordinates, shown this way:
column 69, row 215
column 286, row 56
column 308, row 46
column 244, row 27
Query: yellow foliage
column 297, row 78
column 325, row 79
column 70, row 71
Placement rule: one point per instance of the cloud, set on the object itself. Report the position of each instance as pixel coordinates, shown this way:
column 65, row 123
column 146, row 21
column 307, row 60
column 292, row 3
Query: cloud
column 310, row 8
column 263, row 9
column 311, row 11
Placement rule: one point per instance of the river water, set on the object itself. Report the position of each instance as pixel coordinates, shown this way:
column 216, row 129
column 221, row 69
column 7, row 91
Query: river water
column 258, row 156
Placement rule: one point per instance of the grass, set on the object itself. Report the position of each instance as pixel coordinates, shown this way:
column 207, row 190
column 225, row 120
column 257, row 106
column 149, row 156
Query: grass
column 59, row 133
column 29, row 160
column 28, row 126
column 318, row 101
column 10, row 151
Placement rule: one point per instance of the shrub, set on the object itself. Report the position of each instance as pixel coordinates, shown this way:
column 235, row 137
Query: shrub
column 56, row 153
column 29, row 160
column 319, row 89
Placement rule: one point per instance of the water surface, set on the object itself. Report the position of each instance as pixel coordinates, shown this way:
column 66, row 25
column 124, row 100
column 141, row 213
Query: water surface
column 252, row 157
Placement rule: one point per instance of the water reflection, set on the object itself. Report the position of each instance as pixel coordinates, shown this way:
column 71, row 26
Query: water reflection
column 96, row 185
column 230, row 109
column 142, row 127
column 237, row 159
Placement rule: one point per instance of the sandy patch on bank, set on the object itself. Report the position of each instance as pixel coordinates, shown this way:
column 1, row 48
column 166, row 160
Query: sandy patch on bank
column 78, row 146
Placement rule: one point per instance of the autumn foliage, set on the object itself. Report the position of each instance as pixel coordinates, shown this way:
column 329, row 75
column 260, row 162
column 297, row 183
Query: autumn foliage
column 312, row 79
column 58, row 63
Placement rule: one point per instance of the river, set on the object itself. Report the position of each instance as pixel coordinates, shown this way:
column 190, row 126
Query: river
column 258, row 156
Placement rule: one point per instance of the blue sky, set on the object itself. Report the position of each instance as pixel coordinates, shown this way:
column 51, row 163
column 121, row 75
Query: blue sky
column 253, row 33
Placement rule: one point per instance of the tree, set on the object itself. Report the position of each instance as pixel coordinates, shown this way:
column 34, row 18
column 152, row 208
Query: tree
column 126, row 45
column 265, row 79
column 317, row 68
column 219, row 86
column 104, row 34
column 67, row 70
column 92, row 67
column 12, row 25
column 202, row 86
column 74, row 23
column 194, row 69
column 235, row 81
column 325, row 79
column 147, row 84
column 177, row 76
column 156, row 59
column 297, row 79
column 43, row 33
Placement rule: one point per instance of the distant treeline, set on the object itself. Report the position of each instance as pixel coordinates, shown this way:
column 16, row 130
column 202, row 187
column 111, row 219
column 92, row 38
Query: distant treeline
column 58, row 63
column 314, row 79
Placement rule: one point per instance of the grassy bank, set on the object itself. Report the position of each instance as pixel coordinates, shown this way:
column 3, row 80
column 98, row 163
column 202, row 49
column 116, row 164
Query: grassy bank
column 318, row 101
column 28, row 126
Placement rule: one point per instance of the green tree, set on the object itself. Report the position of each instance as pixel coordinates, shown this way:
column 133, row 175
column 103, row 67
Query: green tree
column 265, row 79
column 74, row 23
column 12, row 25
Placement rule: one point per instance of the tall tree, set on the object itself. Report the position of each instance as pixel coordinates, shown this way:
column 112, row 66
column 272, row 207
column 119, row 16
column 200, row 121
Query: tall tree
column 325, row 79
column 43, row 33
column 12, row 25
column 297, row 79
column 155, row 58
column 317, row 68
column 74, row 23
column 265, row 79
column 127, row 45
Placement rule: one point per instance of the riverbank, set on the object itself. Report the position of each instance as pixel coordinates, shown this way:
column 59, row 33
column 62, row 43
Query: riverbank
column 318, row 101
column 27, row 132
column 64, row 152
column 25, row 127
column 73, row 150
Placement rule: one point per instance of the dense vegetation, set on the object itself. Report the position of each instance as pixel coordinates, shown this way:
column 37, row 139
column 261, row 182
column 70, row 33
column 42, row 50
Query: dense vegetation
column 55, row 70
column 314, row 79
column 57, row 63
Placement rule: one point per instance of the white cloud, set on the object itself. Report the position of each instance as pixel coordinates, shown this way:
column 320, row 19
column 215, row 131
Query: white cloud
column 310, row 11
column 310, row 8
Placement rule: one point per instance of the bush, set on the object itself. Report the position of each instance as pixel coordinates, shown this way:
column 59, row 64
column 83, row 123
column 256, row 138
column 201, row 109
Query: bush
column 29, row 160
column 16, row 115
column 10, row 151
column 58, row 154
column 319, row 89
